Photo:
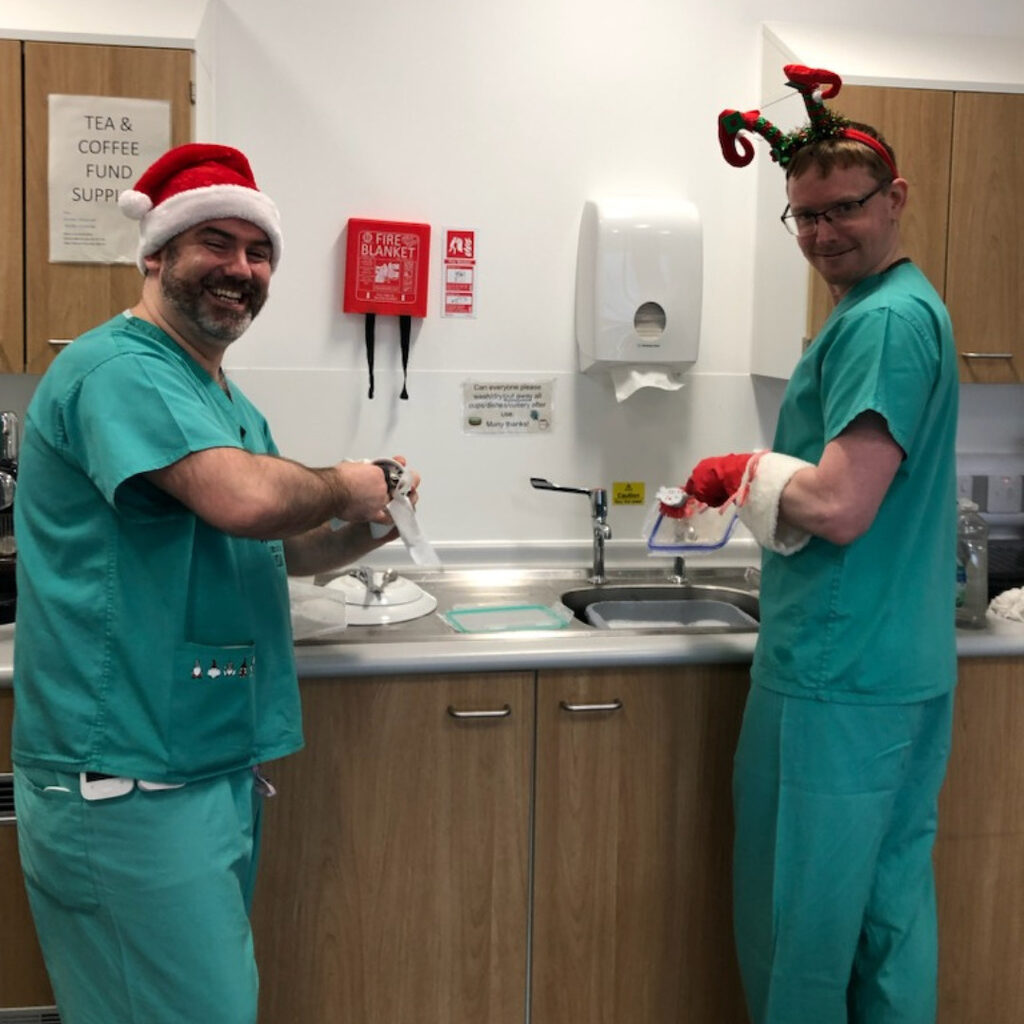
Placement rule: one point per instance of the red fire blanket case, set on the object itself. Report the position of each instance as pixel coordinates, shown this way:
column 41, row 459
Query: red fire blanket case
column 386, row 272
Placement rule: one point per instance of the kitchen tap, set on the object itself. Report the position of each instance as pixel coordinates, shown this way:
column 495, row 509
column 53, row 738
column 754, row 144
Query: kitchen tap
column 374, row 585
column 598, row 516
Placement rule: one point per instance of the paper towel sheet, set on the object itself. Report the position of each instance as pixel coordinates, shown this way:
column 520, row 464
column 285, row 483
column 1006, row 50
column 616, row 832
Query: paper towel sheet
column 628, row 379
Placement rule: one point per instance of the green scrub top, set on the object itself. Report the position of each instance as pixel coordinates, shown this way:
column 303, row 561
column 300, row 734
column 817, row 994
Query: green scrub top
column 872, row 621
column 149, row 644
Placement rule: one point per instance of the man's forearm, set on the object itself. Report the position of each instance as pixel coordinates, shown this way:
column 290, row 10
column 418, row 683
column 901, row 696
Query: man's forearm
column 325, row 548
column 267, row 497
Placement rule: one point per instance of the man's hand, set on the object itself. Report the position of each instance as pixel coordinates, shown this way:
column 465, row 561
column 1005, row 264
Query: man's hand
column 716, row 479
column 364, row 492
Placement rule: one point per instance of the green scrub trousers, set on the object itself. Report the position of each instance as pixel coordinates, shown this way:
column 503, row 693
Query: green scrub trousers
column 836, row 809
column 141, row 902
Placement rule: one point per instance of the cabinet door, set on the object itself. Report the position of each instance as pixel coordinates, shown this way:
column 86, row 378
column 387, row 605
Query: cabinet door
column 633, row 846
column 986, row 252
column 393, row 884
column 918, row 124
column 12, row 323
column 23, row 978
column 979, row 853
column 65, row 299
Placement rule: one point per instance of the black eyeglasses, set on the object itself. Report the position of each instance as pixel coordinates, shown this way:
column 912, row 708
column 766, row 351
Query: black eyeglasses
column 806, row 222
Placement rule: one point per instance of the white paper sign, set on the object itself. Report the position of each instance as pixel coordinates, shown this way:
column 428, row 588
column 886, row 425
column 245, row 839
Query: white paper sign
column 99, row 146
column 506, row 407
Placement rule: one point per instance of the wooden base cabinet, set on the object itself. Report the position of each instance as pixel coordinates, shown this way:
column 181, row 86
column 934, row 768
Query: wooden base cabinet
column 394, row 882
column 396, row 876
column 23, row 977
column 979, row 854
column 631, row 893
column 556, row 847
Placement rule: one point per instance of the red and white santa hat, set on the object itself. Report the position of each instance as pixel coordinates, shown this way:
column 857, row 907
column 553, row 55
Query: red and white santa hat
column 194, row 183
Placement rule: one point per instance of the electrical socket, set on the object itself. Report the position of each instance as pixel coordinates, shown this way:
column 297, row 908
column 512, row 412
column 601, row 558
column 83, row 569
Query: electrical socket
column 1004, row 494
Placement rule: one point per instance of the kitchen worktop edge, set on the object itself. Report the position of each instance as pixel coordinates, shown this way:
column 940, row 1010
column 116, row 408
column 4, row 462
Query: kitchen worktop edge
column 546, row 650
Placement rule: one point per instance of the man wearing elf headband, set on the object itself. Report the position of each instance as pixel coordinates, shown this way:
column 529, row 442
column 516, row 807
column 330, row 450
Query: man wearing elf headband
column 847, row 726
column 154, row 669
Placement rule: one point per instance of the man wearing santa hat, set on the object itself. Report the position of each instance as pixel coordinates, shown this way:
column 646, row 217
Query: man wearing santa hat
column 154, row 668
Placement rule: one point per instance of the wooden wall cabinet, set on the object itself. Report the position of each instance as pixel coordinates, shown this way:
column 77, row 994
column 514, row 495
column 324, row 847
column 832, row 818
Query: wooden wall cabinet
column 918, row 124
column 963, row 224
column 12, row 265
column 985, row 256
column 45, row 302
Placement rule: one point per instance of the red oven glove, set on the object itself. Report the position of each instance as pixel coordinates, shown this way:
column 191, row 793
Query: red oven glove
column 716, row 479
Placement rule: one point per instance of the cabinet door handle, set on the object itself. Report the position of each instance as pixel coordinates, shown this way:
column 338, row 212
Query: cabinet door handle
column 987, row 355
column 502, row 712
column 611, row 705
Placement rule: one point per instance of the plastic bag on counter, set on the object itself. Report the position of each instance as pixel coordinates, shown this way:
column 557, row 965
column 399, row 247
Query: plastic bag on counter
column 318, row 613
column 675, row 522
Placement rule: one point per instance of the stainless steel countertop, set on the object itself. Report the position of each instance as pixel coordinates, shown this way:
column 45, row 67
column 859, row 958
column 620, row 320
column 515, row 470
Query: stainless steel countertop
column 429, row 645
column 506, row 586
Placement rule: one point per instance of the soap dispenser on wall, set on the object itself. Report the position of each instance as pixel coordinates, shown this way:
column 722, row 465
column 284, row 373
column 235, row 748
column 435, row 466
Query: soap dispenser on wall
column 639, row 277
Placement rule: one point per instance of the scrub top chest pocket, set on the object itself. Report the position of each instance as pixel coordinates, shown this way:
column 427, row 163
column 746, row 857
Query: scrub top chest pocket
column 213, row 708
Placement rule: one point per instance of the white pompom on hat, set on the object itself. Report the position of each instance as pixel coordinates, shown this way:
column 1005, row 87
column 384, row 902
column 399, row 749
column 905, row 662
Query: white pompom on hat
column 194, row 183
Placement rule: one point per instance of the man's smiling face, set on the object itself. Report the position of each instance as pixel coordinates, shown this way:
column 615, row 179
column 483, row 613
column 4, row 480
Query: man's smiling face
column 857, row 248
column 215, row 278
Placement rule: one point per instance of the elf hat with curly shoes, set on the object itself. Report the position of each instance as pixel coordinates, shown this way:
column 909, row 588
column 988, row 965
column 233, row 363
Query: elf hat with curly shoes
column 815, row 85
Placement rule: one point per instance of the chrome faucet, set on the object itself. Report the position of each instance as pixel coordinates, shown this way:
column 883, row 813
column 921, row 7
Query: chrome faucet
column 374, row 586
column 598, row 516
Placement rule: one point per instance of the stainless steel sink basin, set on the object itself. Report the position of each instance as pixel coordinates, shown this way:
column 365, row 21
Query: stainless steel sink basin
column 687, row 607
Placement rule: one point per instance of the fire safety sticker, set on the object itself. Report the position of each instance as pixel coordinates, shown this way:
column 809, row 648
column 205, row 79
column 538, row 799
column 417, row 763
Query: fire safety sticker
column 458, row 281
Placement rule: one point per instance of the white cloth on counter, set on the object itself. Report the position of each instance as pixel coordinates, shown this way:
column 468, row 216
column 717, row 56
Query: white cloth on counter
column 318, row 613
column 1009, row 605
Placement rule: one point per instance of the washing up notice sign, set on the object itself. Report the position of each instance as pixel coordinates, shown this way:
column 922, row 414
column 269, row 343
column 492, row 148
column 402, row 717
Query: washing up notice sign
column 507, row 407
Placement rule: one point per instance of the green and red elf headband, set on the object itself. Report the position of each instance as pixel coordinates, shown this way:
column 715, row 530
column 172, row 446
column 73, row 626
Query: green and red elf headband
column 815, row 85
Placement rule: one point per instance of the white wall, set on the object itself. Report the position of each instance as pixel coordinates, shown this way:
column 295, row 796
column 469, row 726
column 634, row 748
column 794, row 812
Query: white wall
column 505, row 118
column 119, row 22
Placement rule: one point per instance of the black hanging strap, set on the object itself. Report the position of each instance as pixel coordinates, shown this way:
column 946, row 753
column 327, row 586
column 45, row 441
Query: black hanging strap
column 405, row 330
column 368, row 331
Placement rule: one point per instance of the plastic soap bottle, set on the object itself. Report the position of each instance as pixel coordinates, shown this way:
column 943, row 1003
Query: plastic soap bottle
column 971, row 566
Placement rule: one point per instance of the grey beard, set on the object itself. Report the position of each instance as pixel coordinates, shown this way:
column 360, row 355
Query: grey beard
column 187, row 299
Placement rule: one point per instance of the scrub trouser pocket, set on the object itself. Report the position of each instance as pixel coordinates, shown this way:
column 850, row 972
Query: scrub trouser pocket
column 836, row 809
column 141, row 901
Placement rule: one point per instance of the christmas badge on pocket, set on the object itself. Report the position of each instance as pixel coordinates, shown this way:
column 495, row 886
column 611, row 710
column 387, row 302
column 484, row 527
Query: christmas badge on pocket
column 386, row 267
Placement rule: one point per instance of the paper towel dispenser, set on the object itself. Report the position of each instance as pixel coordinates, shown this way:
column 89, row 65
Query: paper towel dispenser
column 639, row 277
